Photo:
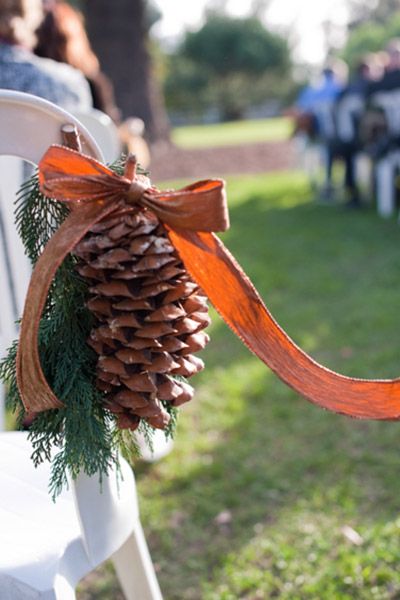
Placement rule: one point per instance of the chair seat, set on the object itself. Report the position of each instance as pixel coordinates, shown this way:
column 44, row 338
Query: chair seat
column 37, row 535
column 42, row 540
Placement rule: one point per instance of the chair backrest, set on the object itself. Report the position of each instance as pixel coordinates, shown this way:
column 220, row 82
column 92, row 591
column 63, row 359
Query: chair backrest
column 29, row 125
column 324, row 114
column 389, row 102
column 348, row 112
column 104, row 131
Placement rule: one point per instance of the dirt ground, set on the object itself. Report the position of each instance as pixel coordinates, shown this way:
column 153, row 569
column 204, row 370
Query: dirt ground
column 170, row 162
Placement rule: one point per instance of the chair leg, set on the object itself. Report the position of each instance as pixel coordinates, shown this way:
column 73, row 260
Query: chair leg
column 385, row 188
column 62, row 590
column 2, row 407
column 135, row 569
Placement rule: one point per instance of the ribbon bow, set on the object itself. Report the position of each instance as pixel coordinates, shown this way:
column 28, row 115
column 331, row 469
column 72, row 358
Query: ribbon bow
column 190, row 215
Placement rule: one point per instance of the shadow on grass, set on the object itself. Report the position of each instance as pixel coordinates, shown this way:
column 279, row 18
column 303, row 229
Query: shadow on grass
column 280, row 458
column 252, row 451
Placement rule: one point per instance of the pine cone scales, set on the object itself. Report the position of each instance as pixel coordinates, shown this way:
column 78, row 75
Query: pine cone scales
column 150, row 316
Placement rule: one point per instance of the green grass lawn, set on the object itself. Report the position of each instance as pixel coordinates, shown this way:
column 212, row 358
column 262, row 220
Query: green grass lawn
column 260, row 497
column 235, row 132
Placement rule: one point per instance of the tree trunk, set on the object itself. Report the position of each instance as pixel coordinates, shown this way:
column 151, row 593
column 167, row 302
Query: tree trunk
column 118, row 34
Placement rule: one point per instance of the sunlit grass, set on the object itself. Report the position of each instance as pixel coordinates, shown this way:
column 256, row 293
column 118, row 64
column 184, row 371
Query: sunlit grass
column 261, row 490
column 232, row 133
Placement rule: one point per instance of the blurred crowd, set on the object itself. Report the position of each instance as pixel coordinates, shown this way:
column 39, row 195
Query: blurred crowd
column 346, row 117
column 45, row 51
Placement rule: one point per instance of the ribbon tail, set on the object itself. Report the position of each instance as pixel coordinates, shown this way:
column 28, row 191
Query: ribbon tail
column 35, row 392
column 236, row 299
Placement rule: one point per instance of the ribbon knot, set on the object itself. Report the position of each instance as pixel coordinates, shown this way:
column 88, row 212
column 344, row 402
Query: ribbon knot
column 136, row 191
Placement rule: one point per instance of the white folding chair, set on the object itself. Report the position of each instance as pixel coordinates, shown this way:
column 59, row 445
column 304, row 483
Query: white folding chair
column 28, row 125
column 46, row 548
column 103, row 129
column 386, row 170
column 387, row 167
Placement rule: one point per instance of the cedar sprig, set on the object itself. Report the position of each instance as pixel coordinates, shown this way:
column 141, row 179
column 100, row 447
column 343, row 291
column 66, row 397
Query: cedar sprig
column 78, row 436
column 81, row 436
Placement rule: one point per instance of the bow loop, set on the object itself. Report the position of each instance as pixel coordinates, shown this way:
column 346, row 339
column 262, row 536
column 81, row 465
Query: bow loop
column 70, row 176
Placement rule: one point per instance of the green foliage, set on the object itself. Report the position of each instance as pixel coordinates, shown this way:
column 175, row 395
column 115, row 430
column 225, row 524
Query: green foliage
column 187, row 86
column 82, row 431
column 227, row 45
column 372, row 11
column 370, row 37
column 82, row 435
column 230, row 63
column 366, row 38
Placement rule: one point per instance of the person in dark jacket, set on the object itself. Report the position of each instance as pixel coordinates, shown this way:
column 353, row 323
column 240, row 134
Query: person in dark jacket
column 349, row 110
column 384, row 96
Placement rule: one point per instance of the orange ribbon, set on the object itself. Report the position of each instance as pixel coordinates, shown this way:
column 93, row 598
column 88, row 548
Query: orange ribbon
column 190, row 216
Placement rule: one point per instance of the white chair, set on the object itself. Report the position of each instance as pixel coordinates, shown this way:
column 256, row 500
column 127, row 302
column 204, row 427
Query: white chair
column 386, row 170
column 45, row 548
column 103, row 129
column 348, row 112
column 388, row 166
column 28, row 125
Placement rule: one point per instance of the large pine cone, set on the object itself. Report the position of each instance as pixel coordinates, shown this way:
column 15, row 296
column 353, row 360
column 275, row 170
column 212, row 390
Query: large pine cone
column 150, row 316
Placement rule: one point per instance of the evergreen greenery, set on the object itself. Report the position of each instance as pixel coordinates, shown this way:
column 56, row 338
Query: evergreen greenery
column 83, row 434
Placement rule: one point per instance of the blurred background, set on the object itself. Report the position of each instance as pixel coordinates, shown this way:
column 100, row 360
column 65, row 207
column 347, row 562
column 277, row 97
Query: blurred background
column 219, row 60
column 264, row 495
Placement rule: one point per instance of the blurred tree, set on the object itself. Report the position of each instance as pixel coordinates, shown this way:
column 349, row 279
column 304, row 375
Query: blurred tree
column 377, row 11
column 259, row 8
column 229, row 62
column 370, row 37
column 218, row 6
column 385, row 9
column 227, row 45
column 119, row 34
column 363, row 39
column 360, row 11
column 186, row 87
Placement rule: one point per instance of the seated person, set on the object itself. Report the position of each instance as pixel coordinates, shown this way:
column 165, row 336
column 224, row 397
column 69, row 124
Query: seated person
column 62, row 37
column 383, row 97
column 22, row 71
column 349, row 111
column 318, row 101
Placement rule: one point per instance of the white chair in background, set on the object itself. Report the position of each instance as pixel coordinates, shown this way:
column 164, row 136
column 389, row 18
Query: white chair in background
column 45, row 548
column 386, row 170
column 387, row 166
